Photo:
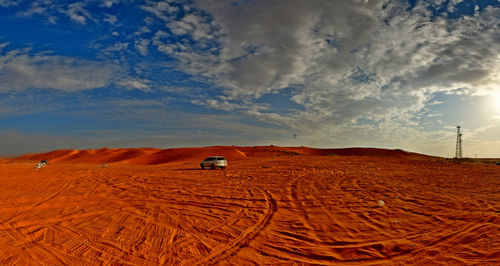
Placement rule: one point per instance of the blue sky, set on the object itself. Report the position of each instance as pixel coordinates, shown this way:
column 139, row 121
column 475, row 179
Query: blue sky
column 127, row 73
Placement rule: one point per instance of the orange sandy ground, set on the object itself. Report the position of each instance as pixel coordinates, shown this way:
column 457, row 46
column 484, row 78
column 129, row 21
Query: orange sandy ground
column 287, row 209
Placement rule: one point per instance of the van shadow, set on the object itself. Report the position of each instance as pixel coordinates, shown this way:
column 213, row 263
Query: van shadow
column 196, row 169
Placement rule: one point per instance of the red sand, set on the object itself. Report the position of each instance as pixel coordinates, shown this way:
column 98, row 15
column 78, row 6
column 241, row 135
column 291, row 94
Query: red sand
column 270, row 206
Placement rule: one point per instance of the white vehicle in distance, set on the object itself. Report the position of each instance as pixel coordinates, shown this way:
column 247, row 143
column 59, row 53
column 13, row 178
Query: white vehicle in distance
column 214, row 162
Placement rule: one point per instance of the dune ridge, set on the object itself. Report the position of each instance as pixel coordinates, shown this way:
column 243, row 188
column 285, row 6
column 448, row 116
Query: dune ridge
column 153, row 156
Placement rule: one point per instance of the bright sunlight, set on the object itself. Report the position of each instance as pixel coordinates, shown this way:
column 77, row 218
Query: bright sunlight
column 496, row 101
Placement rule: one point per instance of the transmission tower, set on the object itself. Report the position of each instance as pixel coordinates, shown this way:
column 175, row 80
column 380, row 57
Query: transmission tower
column 458, row 151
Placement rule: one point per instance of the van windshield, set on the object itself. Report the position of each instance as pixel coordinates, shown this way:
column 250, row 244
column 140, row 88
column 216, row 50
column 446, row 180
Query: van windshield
column 215, row 159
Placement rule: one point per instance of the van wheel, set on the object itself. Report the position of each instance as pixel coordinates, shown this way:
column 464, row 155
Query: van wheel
column 222, row 167
column 202, row 167
column 213, row 166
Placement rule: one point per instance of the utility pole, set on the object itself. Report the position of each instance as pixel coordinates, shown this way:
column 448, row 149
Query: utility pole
column 458, row 150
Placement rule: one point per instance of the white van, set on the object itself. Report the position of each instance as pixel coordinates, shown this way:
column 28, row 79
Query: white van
column 214, row 162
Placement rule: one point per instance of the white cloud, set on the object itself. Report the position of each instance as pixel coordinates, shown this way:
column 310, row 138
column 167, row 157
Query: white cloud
column 222, row 104
column 40, row 8
column 111, row 19
column 3, row 45
column 78, row 13
column 182, row 91
column 161, row 9
column 21, row 71
column 142, row 46
column 160, row 44
column 128, row 103
column 142, row 30
column 132, row 83
column 452, row 5
column 117, row 47
column 109, row 3
column 346, row 59
column 435, row 103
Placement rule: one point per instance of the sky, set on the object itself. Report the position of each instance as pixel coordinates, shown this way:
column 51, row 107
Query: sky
column 327, row 74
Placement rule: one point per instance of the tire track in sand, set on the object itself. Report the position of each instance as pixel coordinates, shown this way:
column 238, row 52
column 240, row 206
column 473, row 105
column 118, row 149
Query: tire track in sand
column 136, row 192
column 224, row 251
column 39, row 253
column 44, row 200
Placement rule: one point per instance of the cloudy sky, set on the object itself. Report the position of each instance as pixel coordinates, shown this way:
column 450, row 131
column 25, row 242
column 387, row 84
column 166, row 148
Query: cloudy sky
column 132, row 73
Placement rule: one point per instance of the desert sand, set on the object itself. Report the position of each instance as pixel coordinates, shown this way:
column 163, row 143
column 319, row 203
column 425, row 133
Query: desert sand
column 272, row 205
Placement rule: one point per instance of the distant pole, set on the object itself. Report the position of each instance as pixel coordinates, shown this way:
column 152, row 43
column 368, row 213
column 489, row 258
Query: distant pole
column 458, row 150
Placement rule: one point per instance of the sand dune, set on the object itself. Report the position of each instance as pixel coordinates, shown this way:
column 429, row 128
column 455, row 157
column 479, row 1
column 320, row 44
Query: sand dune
column 272, row 205
column 150, row 156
